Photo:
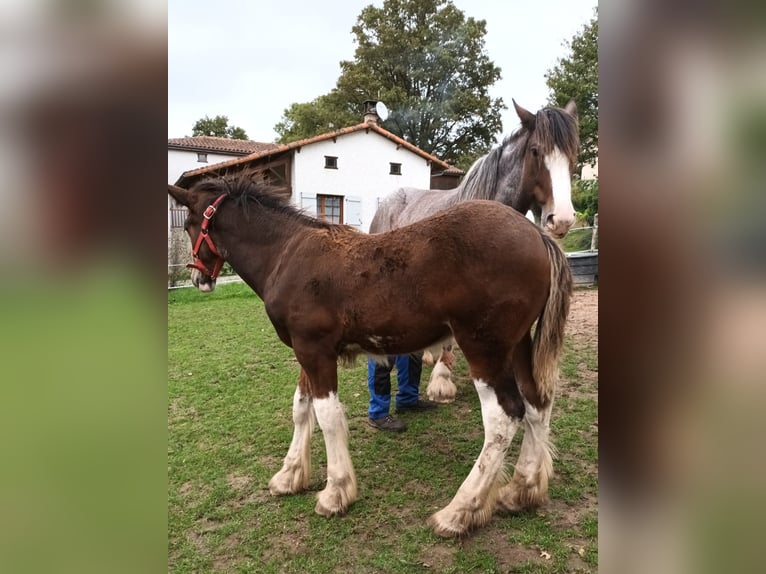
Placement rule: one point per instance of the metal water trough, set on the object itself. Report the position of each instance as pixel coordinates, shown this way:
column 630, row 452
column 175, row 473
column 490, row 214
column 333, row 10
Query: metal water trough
column 584, row 266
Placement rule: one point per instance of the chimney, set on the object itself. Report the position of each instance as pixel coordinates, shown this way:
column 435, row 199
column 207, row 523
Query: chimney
column 370, row 112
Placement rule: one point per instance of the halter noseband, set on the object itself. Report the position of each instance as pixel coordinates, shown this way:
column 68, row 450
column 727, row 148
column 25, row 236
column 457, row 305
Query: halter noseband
column 207, row 216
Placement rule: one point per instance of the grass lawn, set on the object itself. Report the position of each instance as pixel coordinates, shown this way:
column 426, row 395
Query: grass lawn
column 231, row 383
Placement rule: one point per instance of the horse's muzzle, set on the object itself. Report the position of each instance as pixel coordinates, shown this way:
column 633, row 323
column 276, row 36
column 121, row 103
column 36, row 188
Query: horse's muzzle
column 558, row 227
column 202, row 282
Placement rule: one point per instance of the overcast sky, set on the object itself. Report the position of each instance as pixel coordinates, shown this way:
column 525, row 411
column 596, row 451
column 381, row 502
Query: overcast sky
column 251, row 59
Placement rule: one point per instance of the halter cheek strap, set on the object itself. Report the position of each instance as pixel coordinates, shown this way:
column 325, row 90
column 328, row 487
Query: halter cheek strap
column 205, row 236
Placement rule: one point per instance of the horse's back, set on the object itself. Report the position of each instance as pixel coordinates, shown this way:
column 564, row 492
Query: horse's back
column 475, row 237
column 490, row 220
column 408, row 205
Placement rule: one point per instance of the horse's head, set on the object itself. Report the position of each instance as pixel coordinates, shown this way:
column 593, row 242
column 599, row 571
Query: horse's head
column 549, row 157
column 208, row 260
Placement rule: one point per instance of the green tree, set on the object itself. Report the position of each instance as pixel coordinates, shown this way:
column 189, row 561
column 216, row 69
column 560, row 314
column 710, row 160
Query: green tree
column 576, row 77
column 427, row 62
column 585, row 198
column 321, row 115
column 219, row 127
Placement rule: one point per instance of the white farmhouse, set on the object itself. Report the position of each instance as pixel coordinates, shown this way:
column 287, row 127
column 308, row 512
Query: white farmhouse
column 189, row 153
column 340, row 175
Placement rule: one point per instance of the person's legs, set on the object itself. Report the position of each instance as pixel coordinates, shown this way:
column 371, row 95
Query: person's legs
column 379, row 383
column 408, row 369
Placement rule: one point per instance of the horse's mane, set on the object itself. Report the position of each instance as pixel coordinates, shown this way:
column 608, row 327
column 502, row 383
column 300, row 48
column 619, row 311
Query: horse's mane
column 555, row 127
column 481, row 179
column 245, row 192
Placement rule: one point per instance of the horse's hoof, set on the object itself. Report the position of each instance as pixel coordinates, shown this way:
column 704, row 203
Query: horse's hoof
column 287, row 482
column 444, row 524
column 518, row 497
column 336, row 499
column 323, row 510
column 441, row 390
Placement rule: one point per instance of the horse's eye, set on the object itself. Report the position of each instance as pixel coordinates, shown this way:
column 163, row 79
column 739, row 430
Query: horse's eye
column 535, row 151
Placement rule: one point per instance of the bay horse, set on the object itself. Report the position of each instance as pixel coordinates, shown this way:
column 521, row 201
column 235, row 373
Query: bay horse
column 332, row 292
column 530, row 169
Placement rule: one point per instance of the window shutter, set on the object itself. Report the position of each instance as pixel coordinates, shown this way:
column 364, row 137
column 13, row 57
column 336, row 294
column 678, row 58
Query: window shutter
column 309, row 204
column 353, row 211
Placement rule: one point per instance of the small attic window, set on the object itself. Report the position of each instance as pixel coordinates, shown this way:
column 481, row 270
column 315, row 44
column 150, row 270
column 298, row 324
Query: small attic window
column 330, row 162
column 396, row 169
column 202, row 158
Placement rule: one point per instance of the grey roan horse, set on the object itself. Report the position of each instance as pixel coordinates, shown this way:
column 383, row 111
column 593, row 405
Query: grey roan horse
column 531, row 169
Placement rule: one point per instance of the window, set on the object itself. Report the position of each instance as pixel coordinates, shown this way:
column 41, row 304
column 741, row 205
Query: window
column 202, row 157
column 330, row 162
column 396, row 169
column 330, row 208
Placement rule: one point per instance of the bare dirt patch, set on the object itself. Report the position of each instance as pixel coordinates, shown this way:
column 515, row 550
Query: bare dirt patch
column 238, row 482
column 582, row 324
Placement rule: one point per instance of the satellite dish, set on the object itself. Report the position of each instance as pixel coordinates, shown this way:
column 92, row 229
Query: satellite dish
column 382, row 111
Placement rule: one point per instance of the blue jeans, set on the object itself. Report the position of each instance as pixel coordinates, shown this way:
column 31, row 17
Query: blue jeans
column 408, row 369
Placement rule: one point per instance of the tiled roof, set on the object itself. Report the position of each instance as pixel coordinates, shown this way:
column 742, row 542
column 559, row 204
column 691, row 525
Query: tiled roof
column 279, row 148
column 212, row 144
column 452, row 170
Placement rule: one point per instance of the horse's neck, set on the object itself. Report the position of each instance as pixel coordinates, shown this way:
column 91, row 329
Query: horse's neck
column 254, row 245
column 496, row 177
column 520, row 201
column 511, row 181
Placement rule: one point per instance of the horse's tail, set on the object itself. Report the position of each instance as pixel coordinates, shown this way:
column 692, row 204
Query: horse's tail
column 549, row 334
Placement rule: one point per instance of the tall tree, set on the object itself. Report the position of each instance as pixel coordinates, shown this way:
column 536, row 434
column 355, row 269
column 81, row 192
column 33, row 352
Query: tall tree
column 321, row 115
column 576, row 77
column 219, row 127
column 427, row 62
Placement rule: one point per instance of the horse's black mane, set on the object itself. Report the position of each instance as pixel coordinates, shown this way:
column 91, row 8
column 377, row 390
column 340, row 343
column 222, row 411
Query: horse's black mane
column 554, row 127
column 245, row 191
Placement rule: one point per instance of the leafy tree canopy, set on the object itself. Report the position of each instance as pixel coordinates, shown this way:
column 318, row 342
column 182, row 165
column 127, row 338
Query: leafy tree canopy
column 585, row 198
column 576, row 77
column 324, row 114
column 427, row 62
column 219, row 127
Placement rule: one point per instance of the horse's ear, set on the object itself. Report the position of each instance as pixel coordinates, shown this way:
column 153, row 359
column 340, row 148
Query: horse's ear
column 181, row 195
column 527, row 118
column 571, row 108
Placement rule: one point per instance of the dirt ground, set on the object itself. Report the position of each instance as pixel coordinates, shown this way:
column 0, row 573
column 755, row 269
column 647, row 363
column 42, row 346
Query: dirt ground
column 583, row 317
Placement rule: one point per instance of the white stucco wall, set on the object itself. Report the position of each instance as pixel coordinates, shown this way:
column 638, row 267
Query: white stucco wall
column 181, row 161
column 590, row 171
column 362, row 176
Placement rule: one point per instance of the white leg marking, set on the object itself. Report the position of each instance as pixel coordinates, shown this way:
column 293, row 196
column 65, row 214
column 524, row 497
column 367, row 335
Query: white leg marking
column 475, row 499
column 440, row 386
column 296, row 470
column 529, row 486
column 561, row 183
column 340, row 491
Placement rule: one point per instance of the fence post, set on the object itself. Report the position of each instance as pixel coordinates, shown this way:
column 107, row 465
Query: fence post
column 594, row 237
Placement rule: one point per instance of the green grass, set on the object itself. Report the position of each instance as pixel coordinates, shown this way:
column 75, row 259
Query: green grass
column 579, row 237
column 231, row 383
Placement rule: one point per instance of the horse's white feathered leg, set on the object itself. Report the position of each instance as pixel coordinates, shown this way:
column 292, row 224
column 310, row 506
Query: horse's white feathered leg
column 474, row 502
column 529, row 486
column 440, row 386
column 295, row 474
column 340, row 491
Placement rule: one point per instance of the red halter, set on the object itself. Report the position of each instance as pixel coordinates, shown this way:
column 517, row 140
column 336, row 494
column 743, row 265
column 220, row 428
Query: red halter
column 204, row 236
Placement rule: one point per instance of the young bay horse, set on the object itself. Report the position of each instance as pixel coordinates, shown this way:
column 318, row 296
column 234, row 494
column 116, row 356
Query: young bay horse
column 530, row 170
column 332, row 292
